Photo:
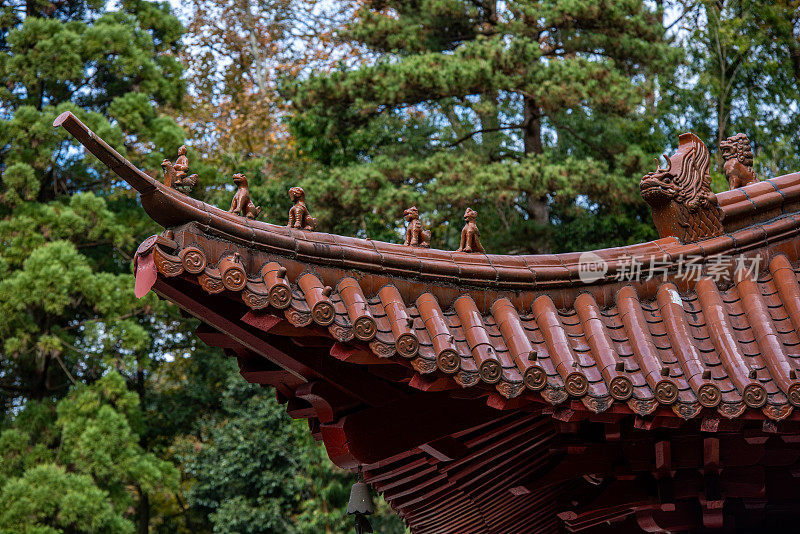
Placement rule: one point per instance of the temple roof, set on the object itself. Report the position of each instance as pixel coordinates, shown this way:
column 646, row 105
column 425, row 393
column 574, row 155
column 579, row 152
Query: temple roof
column 508, row 393
column 527, row 325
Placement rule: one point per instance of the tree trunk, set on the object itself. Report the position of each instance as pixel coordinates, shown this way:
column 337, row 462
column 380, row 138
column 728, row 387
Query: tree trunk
column 143, row 513
column 42, row 389
column 714, row 14
column 794, row 55
column 533, row 127
column 490, row 120
column 490, row 124
column 532, row 139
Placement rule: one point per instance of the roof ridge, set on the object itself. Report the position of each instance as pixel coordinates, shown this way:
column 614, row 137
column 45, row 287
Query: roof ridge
column 754, row 215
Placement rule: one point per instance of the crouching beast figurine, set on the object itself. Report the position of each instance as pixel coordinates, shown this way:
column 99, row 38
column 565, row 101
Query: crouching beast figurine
column 738, row 159
column 241, row 203
column 680, row 195
column 470, row 235
column 299, row 216
column 416, row 235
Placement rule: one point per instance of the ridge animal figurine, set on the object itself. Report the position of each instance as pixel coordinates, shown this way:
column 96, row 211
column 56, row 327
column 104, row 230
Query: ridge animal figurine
column 299, row 216
column 738, row 158
column 175, row 175
column 416, row 235
column 470, row 236
column 241, row 204
column 680, row 196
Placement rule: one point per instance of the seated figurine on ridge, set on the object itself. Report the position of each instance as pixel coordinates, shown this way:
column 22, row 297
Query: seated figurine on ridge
column 416, row 235
column 299, row 216
column 241, row 204
column 738, row 159
column 470, row 236
column 175, row 175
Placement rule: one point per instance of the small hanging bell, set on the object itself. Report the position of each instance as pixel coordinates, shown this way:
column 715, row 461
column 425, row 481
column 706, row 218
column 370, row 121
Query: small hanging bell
column 360, row 505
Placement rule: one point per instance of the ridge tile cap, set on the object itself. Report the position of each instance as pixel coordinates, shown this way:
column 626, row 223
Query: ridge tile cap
column 509, row 261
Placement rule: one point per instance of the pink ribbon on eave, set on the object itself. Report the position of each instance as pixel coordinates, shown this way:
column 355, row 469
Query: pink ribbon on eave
column 145, row 275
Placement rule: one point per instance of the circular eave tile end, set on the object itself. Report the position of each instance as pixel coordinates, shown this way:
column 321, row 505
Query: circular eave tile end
column 794, row 394
column 194, row 261
column 491, row 371
column 146, row 245
column 407, row 345
column 280, row 297
column 234, row 278
column 365, row 328
column 448, row 361
column 666, row 392
column 323, row 313
column 709, row 396
column 535, row 378
column 755, row 396
column 576, row 384
column 621, row 388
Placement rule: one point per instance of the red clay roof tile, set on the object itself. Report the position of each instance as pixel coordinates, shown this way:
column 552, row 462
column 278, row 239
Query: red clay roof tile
column 520, row 321
column 704, row 348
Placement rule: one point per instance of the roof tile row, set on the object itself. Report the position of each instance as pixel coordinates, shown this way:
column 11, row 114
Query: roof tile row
column 727, row 348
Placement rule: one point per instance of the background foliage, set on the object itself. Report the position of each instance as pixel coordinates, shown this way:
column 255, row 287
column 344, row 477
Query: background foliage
column 541, row 114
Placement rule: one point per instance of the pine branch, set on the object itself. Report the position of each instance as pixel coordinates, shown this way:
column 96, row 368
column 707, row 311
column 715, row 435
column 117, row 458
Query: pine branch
column 484, row 130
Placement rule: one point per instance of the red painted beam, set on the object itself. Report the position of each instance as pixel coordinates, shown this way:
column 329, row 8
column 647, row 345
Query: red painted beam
column 244, row 336
column 307, row 364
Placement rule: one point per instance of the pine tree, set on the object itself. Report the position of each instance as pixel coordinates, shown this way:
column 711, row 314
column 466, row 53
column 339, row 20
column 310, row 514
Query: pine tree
column 741, row 75
column 255, row 470
column 68, row 229
column 69, row 469
column 539, row 114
